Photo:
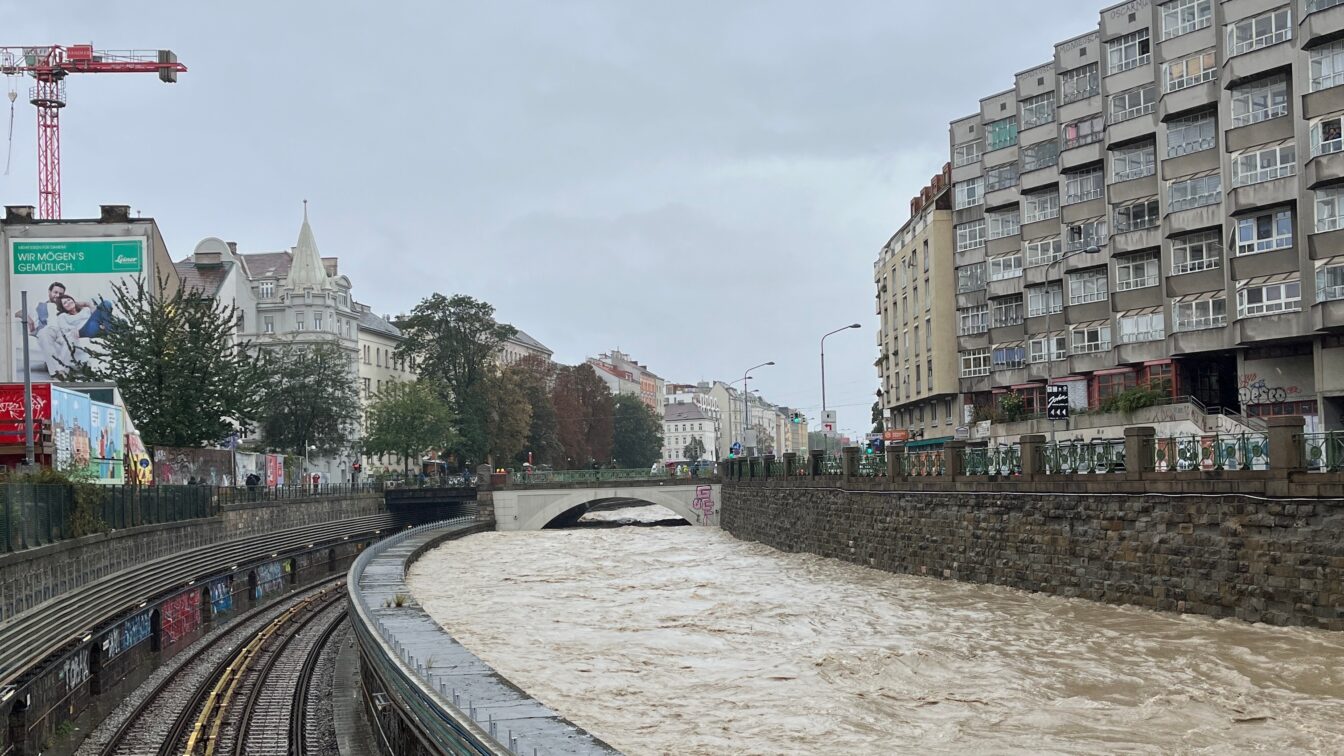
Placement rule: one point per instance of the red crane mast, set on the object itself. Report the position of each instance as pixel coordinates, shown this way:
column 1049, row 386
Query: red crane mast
column 49, row 65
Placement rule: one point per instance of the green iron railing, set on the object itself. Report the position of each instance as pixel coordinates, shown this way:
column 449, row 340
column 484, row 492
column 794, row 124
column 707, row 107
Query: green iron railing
column 996, row 459
column 1085, row 457
column 1232, row 451
column 1323, row 452
column 872, row 465
column 924, row 463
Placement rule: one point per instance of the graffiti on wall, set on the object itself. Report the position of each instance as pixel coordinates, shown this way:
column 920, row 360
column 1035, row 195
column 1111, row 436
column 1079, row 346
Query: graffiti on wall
column 125, row 636
column 212, row 467
column 75, row 670
column 270, row 578
column 1253, row 389
column 179, row 615
column 704, row 504
column 221, row 600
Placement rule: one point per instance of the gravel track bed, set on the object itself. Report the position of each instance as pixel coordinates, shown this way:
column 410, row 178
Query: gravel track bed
column 321, row 723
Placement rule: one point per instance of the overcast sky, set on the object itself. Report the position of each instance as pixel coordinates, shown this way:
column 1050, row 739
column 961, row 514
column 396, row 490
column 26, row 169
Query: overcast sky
column 703, row 184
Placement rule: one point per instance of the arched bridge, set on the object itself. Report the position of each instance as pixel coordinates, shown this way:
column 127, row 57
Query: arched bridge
column 533, row 504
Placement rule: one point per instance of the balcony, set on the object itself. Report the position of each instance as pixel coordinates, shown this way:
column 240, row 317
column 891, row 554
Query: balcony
column 1141, row 351
column 1190, row 163
column 1003, row 196
column 1133, row 241
column 1184, row 100
column 1089, row 311
column 1137, row 299
column 1275, row 191
column 1277, row 327
column 1082, row 211
column 1257, row 63
column 1082, row 151
column 1134, row 126
column 1328, row 315
column 1092, row 362
column 1325, row 169
column 1004, row 287
column 1325, row 245
column 1318, row 24
column 1283, row 260
column 1039, row 177
column 1195, row 282
column 1185, row 221
column 1328, row 97
column 1214, row 338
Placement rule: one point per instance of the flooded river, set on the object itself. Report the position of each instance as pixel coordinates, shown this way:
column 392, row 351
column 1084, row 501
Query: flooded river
column 686, row 641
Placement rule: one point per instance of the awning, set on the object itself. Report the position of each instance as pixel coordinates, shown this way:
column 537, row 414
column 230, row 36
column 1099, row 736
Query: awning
column 1264, row 280
column 1113, row 371
column 927, row 442
column 1092, row 324
column 1199, row 296
column 1007, row 345
column 1036, row 385
column 1144, row 311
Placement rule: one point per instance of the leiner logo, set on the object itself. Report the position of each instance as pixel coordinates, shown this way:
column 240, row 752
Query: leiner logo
column 126, row 260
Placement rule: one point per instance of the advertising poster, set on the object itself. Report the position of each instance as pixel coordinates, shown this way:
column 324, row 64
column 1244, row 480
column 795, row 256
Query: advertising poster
column 207, row 467
column 140, row 470
column 275, row 470
column 71, row 301
column 11, row 410
column 70, row 429
column 107, row 442
column 247, row 463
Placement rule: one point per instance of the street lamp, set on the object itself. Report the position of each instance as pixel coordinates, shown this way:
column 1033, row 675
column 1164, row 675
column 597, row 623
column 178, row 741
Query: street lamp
column 1049, row 336
column 746, row 408
column 823, row 365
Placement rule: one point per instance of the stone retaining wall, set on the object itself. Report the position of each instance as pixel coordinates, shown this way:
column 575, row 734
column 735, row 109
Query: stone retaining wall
column 1279, row 561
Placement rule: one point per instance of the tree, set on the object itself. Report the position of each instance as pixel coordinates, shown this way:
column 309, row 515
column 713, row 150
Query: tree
column 535, row 377
column 583, row 408
column 453, row 339
column 694, row 450
column 637, row 433
column 184, row 377
column 310, row 399
column 497, row 418
column 878, row 424
column 406, row 419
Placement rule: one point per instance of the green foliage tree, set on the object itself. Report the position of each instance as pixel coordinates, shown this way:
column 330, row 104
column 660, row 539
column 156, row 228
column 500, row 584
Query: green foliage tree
column 310, row 399
column 878, row 424
column 406, row 419
column 535, row 376
column 584, row 415
column 637, row 433
column 173, row 353
column 694, row 450
column 497, row 418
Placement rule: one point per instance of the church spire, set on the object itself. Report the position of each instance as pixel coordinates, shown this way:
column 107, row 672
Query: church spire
column 307, row 268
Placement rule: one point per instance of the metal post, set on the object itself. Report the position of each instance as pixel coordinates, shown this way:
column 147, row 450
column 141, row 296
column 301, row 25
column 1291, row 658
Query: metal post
column 28, row 457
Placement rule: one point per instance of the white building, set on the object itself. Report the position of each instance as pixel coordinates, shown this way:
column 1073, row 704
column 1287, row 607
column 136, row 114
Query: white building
column 521, row 346
column 683, row 422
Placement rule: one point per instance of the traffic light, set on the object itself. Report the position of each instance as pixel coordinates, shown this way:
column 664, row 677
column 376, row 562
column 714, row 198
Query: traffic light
column 796, row 417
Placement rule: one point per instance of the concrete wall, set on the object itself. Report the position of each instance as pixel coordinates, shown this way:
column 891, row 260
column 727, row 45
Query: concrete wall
column 27, row 578
column 1274, row 561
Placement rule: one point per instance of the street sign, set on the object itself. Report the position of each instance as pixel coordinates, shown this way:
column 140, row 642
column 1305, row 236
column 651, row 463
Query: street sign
column 737, row 447
column 828, row 423
column 896, row 434
column 1057, row 401
column 750, row 438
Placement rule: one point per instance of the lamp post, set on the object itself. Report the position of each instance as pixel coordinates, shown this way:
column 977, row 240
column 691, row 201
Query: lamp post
column 1049, row 336
column 746, row 408
column 823, row 365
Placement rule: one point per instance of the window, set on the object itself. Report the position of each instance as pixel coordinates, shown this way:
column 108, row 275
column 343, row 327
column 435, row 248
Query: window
column 1199, row 314
column 1113, row 384
column 1327, row 66
column 268, row 324
column 1148, row 326
column 1264, row 164
column 1133, row 103
column 1040, row 155
column 1037, row 346
column 1267, row 299
column 1085, row 234
column 1184, row 16
column 1087, row 286
column 1008, row 357
column 970, row 278
column 307, row 297
column 1190, row 134
column 378, row 356
column 1327, row 135
column 1133, row 162
column 969, row 193
column 1045, row 299
column 1195, row 252
column 1263, row 233
column 367, row 360
column 1083, row 186
column 267, row 289
column 1262, row 31
column 1196, row 69
column 1003, row 268
column 298, row 321
column 972, row 320
column 1320, row 5
column 366, row 383
column 1040, row 206
column 1330, row 283
column 1000, row 177
column 1260, row 102
column 1043, row 251
column 1079, row 83
column 1001, row 133
column 965, row 154
column 1091, row 339
column 317, row 321
column 974, row 363
column 1007, row 311
column 970, row 235
column 1038, row 110
column 1004, row 223
column 1328, row 209
column 1130, row 51
column 1137, row 215
column 1195, row 192
column 1137, row 271
column 1083, row 131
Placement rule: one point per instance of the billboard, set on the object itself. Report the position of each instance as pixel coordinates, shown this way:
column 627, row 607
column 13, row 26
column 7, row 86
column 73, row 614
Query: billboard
column 87, row 435
column 70, row 296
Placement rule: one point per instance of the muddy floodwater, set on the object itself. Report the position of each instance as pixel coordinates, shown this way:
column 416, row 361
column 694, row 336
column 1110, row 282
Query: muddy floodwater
column 687, row 641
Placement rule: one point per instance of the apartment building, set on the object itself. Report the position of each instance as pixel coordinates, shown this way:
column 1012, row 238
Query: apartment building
column 1161, row 202
column 917, row 358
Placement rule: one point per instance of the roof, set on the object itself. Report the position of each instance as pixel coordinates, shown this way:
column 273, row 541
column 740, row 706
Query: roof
column 307, row 268
column 523, row 338
column 681, row 411
column 206, row 280
column 370, row 321
column 266, row 264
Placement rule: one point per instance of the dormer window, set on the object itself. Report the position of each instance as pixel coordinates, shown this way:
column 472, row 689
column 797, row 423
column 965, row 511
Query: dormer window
column 266, row 289
column 307, row 297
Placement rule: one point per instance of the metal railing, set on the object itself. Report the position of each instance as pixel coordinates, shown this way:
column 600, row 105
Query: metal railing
column 1323, row 452
column 1085, row 457
column 995, row 459
column 1214, row 451
column 924, row 463
column 541, row 477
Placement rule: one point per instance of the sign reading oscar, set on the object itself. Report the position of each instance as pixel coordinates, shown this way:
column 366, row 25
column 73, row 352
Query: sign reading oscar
column 71, row 300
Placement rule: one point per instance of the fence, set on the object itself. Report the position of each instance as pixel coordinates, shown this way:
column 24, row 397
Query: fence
column 543, row 477
column 33, row 515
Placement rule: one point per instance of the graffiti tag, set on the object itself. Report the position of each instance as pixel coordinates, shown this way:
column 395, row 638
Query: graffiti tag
column 221, row 600
column 1256, row 392
column 75, row 670
column 704, row 503
column 270, row 577
column 124, row 636
column 180, row 615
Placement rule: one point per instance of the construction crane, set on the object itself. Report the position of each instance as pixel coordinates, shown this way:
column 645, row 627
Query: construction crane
column 49, row 65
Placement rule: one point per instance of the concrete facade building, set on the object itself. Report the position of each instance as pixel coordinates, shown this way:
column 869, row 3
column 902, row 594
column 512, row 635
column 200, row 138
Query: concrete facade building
column 623, row 375
column 1200, row 146
column 682, row 422
column 917, row 332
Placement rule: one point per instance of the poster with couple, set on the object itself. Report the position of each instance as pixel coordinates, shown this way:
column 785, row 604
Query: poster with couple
column 71, row 298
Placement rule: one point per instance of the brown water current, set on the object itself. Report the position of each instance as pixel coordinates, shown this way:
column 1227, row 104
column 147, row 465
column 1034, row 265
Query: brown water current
column 688, row 641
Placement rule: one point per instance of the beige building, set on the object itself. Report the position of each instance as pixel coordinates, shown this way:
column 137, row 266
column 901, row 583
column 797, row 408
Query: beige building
column 520, row 346
column 915, row 275
column 378, row 367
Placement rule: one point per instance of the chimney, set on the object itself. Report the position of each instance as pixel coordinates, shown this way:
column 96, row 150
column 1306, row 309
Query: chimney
column 233, row 248
column 114, row 214
column 18, row 213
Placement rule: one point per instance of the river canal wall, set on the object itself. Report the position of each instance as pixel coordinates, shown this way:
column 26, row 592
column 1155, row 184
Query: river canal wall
column 1278, row 561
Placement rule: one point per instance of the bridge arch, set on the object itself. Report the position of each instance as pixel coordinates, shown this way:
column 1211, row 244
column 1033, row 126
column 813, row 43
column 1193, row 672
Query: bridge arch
column 560, row 505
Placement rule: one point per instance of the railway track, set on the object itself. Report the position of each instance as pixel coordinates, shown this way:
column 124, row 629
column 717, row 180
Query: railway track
column 227, row 690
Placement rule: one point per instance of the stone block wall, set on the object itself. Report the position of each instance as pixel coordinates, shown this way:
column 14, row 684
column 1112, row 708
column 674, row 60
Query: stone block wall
column 1263, row 560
